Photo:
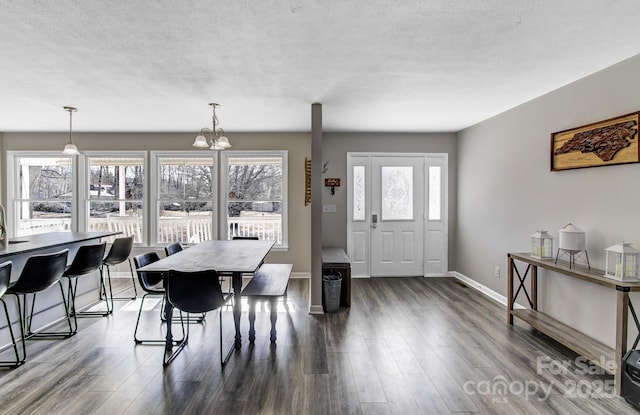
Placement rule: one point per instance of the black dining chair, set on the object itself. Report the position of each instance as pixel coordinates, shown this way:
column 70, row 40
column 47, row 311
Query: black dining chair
column 5, row 277
column 152, row 283
column 196, row 292
column 87, row 260
column 173, row 248
column 119, row 252
column 39, row 273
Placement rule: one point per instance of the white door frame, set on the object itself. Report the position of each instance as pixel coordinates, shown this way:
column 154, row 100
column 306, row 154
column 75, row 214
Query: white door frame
column 359, row 232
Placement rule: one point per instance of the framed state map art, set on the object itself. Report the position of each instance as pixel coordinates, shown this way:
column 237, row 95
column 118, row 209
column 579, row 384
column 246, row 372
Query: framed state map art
column 613, row 141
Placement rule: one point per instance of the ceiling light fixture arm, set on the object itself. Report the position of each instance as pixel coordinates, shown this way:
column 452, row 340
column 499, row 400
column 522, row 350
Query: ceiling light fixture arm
column 214, row 137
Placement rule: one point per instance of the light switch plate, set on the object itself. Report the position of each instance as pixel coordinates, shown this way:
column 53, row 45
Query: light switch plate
column 329, row 208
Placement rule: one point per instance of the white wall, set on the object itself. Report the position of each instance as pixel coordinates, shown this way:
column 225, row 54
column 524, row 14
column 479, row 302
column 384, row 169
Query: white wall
column 335, row 147
column 506, row 191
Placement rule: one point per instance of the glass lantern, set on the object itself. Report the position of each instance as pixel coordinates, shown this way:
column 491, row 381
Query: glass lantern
column 622, row 262
column 541, row 245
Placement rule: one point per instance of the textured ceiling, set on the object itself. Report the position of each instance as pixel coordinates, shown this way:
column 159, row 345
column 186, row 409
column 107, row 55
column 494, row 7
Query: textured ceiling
column 375, row 65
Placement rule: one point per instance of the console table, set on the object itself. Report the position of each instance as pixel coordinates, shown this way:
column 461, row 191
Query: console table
column 595, row 351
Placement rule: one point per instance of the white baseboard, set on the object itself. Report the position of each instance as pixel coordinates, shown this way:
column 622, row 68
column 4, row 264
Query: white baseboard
column 121, row 274
column 306, row 275
column 360, row 276
column 483, row 289
column 426, row 276
column 316, row 309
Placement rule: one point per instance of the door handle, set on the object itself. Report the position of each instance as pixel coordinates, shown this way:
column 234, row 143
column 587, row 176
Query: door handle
column 374, row 220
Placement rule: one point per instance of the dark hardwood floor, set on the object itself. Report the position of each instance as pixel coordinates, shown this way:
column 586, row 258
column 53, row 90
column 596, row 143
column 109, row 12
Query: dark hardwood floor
column 406, row 346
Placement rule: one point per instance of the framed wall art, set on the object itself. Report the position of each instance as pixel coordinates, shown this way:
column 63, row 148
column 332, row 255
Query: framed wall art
column 613, row 141
column 307, row 181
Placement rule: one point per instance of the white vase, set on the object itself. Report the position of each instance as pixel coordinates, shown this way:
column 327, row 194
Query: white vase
column 572, row 238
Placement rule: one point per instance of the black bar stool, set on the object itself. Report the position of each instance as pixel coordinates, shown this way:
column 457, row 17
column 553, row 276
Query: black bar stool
column 39, row 273
column 87, row 260
column 5, row 277
column 118, row 253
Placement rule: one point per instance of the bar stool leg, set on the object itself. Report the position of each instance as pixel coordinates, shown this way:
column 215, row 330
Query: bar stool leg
column 18, row 361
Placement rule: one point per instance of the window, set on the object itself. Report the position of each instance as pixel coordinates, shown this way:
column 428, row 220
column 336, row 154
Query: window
column 41, row 193
column 185, row 195
column 114, row 194
column 255, row 186
column 359, row 193
column 108, row 192
column 435, row 192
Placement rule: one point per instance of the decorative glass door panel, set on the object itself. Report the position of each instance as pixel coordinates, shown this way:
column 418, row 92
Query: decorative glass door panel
column 397, row 193
column 397, row 226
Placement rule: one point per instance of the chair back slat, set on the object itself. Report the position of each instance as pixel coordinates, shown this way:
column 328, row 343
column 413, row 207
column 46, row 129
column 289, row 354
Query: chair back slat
column 119, row 251
column 194, row 292
column 5, row 276
column 41, row 272
column 147, row 279
column 88, row 258
column 173, row 248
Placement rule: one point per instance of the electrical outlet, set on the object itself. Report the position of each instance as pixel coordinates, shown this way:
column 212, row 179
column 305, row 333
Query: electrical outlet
column 496, row 272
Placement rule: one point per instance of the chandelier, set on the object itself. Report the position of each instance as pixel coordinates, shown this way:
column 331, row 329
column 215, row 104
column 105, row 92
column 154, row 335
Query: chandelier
column 70, row 148
column 213, row 138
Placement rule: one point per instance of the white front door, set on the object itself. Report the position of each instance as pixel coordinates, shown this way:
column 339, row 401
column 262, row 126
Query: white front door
column 397, row 214
column 397, row 206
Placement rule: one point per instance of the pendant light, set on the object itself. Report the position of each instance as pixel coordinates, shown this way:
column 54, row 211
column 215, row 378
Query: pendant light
column 70, row 148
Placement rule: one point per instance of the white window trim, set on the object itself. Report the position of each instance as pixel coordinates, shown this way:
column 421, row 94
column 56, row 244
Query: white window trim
column 154, row 188
column 83, row 165
column 224, row 188
column 13, row 175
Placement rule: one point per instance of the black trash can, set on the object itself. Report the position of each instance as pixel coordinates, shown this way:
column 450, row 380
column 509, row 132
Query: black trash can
column 331, row 287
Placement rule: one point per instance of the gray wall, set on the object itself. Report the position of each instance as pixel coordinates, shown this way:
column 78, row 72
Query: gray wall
column 334, row 151
column 298, row 146
column 506, row 191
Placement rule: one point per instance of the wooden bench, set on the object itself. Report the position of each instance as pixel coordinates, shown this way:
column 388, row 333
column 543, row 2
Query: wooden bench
column 269, row 283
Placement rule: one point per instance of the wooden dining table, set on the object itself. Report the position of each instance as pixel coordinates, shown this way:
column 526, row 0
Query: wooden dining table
column 235, row 258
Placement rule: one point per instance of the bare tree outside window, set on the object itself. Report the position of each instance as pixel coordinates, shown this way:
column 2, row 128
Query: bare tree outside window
column 186, row 199
column 254, row 202
column 115, row 194
column 44, row 202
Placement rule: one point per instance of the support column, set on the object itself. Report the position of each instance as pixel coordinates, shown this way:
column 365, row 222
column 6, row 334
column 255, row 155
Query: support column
column 316, row 210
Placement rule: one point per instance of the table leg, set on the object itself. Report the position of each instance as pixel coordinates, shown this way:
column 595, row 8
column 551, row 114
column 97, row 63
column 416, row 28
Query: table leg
column 534, row 287
column 273, row 305
column 622, row 317
column 252, row 319
column 510, row 266
column 237, row 306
